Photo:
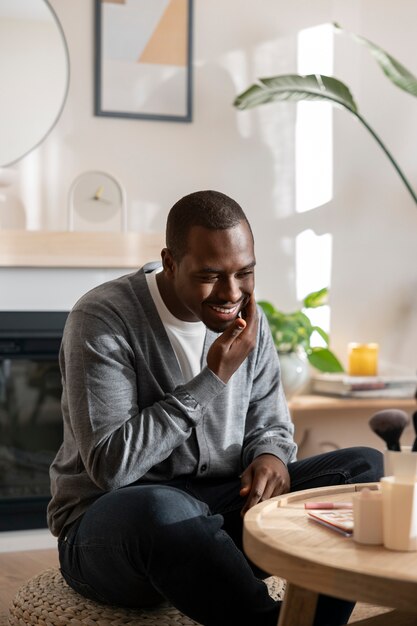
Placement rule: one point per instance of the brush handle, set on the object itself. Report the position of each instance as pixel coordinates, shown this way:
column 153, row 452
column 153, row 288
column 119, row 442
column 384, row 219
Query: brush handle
column 414, row 418
column 395, row 446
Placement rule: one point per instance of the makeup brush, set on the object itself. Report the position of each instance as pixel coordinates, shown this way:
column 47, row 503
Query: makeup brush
column 389, row 425
column 414, row 418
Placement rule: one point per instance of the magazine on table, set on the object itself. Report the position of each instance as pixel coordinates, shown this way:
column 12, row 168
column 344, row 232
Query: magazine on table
column 365, row 386
column 340, row 520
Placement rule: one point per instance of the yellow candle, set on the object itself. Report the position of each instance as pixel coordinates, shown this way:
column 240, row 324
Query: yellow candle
column 363, row 359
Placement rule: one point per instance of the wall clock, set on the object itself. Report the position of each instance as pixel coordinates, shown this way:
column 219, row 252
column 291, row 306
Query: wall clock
column 96, row 203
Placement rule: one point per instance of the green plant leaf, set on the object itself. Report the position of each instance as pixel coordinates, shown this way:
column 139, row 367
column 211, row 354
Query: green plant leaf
column 322, row 333
column 267, row 307
column 393, row 69
column 316, row 298
column 324, row 360
column 294, row 87
column 252, row 97
column 292, row 331
column 312, row 87
column 301, row 318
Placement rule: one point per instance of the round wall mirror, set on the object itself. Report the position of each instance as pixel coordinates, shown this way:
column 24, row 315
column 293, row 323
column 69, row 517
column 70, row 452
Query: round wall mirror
column 34, row 71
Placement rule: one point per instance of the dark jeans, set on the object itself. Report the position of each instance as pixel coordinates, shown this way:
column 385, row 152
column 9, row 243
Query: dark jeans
column 181, row 541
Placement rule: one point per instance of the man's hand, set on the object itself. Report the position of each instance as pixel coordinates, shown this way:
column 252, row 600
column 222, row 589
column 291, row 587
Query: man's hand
column 233, row 346
column 265, row 478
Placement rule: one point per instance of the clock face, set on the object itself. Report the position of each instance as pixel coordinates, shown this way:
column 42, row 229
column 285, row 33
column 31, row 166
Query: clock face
column 96, row 202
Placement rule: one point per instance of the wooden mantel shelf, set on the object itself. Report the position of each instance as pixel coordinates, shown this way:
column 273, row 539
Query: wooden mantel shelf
column 25, row 248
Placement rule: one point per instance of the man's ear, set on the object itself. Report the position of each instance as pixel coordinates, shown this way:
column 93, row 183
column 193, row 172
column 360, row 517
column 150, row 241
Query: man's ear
column 168, row 262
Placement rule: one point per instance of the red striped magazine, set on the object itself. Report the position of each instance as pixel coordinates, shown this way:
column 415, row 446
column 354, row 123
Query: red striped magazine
column 340, row 520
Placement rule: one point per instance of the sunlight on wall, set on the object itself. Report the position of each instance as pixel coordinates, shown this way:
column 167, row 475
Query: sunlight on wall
column 30, row 191
column 314, row 133
column 235, row 67
column 314, row 171
column 313, row 254
column 313, row 260
column 52, row 165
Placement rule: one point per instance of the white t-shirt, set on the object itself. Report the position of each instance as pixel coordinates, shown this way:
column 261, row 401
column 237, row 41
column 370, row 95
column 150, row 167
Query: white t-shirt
column 187, row 338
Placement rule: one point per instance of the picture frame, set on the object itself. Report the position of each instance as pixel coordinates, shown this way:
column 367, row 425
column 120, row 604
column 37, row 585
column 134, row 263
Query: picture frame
column 143, row 59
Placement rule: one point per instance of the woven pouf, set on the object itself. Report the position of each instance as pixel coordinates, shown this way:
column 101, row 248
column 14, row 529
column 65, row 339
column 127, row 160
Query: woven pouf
column 47, row 600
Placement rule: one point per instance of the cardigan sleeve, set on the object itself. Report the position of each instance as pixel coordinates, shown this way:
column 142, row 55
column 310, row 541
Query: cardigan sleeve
column 117, row 441
column 269, row 429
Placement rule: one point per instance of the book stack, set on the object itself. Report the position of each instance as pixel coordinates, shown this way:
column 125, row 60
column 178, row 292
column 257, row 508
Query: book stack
column 365, row 386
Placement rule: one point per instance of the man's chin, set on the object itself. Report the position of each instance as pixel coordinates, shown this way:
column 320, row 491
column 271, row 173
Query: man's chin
column 219, row 327
column 219, row 322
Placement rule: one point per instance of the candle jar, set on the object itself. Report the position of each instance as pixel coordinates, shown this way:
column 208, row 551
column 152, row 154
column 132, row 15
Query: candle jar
column 363, row 359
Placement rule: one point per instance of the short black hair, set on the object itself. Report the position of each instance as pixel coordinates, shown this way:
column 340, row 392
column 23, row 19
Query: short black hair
column 210, row 209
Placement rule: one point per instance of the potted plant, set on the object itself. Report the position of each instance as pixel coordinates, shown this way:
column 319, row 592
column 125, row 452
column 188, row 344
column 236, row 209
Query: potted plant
column 292, row 333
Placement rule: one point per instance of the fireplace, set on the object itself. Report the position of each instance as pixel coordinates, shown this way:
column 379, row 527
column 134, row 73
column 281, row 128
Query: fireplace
column 30, row 414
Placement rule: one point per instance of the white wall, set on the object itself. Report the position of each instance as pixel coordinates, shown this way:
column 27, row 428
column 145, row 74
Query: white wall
column 250, row 155
column 44, row 84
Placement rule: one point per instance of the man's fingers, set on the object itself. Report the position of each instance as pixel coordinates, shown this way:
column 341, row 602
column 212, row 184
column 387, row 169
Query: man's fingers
column 239, row 325
column 269, row 478
column 230, row 349
column 249, row 311
column 244, row 491
column 245, row 482
column 233, row 331
column 256, row 494
column 271, row 490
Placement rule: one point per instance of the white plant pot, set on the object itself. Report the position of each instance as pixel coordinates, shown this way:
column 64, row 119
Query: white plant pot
column 295, row 372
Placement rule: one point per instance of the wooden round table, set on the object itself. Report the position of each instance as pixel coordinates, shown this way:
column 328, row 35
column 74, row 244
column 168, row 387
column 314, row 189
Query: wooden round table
column 283, row 540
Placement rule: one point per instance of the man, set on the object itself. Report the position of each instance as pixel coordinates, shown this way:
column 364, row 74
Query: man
column 175, row 424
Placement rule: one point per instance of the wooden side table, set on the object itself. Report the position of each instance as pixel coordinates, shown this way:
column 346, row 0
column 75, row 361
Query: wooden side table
column 280, row 538
column 324, row 423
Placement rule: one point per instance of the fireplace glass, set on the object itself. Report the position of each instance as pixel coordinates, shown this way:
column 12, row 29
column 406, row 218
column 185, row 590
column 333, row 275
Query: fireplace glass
column 30, row 414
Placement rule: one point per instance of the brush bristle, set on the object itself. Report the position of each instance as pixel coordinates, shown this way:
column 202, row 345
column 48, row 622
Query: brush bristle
column 389, row 419
column 389, row 425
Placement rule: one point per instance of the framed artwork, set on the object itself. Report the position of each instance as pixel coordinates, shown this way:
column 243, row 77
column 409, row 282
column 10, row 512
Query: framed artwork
column 143, row 59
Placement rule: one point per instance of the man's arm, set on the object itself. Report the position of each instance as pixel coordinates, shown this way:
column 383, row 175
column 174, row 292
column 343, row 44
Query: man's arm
column 269, row 444
column 119, row 436
column 119, row 432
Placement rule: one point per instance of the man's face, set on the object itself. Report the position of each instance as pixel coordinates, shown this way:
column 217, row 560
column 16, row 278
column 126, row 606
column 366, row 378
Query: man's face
column 215, row 278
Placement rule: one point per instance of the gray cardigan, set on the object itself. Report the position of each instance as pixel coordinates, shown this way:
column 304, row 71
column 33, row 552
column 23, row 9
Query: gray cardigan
column 128, row 416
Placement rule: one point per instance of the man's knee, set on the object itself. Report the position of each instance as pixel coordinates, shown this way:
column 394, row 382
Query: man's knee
column 162, row 505
column 171, row 520
column 365, row 464
column 139, row 511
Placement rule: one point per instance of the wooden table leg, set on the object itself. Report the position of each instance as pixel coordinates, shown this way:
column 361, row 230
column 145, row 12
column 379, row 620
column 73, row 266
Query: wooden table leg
column 298, row 607
column 399, row 618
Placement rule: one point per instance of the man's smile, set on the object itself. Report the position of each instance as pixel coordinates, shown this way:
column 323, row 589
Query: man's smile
column 224, row 313
column 226, row 310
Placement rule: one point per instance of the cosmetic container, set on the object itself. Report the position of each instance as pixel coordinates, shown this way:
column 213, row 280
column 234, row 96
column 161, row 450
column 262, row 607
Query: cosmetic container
column 367, row 517
column 401, row 464
column 399, row 509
